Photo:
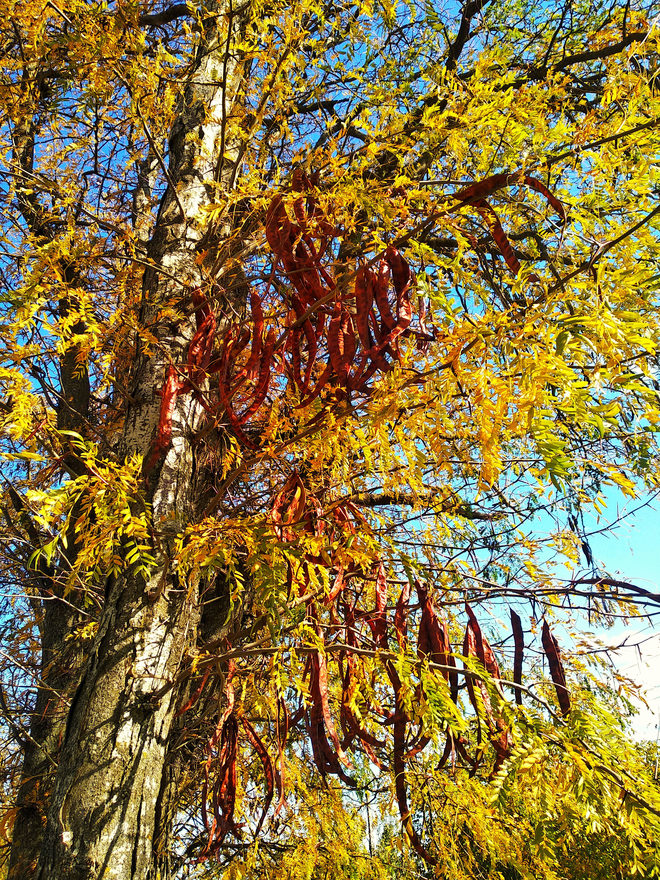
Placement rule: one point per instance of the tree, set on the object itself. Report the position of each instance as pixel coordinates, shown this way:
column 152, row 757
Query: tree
column 322, row 324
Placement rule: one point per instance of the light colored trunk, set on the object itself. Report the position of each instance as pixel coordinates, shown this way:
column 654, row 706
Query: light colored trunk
column 104, row 805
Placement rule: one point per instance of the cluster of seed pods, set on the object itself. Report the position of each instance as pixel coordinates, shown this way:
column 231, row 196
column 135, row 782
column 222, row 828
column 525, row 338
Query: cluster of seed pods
column 357, row 621
column 329, row 338
column 337, row 335
column 220, row 767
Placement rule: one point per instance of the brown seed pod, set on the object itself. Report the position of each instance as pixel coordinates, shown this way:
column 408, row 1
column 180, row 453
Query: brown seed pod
column 551, row 648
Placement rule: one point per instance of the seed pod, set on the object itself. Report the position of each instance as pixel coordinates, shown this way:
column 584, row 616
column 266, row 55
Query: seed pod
column 476, row 192
column 336, row 342
column 401, row 274
column 358, row 382
column 350, row 346
column 401, row 615
column 341, row 344
column 364, row 298
column 377, row 620
column 399, row 769
column 552, row 200
column 224, row 790
column 499, row 235
column 519, row 647
column 433, row 639
column 312, row 348
column 337, row 587
column 381, row 289
column 225, row 393
column 195, row 696
column 476, row 645
column 293, row 344
column 289, row 504
column 279, row 231
column 299, row 211
column 483, row 651
column 257, row 331
column 171, row 389
column 320, row 385
column 267, row 765
column 455, row 745
column 202, row 308
column 321, row 717
column 263, row 382
column 402, row 277
column 200, row 348
column 417, row 747
column 551, row 648
column 282, row 733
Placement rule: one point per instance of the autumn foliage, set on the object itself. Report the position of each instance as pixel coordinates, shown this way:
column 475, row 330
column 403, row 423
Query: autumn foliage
column 329, row 331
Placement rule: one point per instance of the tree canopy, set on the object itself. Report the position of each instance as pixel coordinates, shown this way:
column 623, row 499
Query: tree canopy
column 324, row 325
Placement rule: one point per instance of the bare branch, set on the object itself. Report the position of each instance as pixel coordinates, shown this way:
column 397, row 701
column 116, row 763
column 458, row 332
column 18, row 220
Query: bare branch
column 469, row 11
column 158, row 19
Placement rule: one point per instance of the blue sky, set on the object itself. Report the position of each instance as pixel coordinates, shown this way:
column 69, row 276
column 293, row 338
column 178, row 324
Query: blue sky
column 631, row 549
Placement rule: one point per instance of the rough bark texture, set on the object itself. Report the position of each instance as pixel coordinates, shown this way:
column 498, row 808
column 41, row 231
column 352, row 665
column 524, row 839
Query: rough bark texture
column 58, row 670
column 107, row 799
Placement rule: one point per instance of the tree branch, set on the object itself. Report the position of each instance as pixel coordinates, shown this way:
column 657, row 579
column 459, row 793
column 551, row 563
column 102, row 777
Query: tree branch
column 619, row 585
column 553, row 159
column 537, row 73
column 408, row 499
column 469, row 11
column 158, row 19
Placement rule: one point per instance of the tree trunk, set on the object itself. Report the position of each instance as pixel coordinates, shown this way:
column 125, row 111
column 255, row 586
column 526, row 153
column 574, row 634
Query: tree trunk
column 60, row 667
column 105, row 804
column 56, row 615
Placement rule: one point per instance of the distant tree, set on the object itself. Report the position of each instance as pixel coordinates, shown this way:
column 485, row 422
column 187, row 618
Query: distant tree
column 322, row 325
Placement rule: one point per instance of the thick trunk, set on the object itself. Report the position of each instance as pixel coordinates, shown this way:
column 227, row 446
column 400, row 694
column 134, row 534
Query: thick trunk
column 60, row 667
column 107, row 800
column 101, row 817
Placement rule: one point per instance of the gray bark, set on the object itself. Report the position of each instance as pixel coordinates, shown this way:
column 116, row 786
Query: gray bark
column 105, row 807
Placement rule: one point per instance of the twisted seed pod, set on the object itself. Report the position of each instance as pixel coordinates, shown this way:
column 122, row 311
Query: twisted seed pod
column 552, row 652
